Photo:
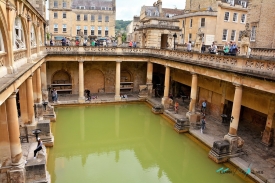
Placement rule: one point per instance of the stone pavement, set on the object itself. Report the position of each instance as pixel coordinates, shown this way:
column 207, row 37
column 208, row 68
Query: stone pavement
column 259, row 158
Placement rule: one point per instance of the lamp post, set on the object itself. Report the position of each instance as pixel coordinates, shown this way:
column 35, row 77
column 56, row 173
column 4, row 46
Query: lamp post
column 175, row 36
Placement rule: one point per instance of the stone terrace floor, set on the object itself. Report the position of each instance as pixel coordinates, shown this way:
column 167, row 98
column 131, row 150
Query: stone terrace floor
column 259, row 158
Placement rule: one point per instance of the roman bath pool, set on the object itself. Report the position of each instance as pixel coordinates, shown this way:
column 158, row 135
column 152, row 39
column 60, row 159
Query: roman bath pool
column 127, row 143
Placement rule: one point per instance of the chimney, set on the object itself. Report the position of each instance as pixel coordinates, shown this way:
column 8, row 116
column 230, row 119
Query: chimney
column 159, row 6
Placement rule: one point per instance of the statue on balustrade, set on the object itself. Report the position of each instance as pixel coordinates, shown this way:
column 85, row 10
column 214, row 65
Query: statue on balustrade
column 245, row 37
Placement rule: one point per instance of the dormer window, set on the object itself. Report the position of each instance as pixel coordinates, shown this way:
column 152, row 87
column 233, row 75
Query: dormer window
column 243, row 4
column 103, row 8
column 149, row 13
column 156, row 13
column 110, row 8
column 92, row 8
column 82, row 7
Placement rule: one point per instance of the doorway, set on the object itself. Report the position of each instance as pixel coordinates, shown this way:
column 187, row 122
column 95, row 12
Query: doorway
column 163, row 42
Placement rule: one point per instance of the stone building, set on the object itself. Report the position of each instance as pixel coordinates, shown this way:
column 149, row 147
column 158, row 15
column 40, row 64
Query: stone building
column 90, row 19
column 131, row 28
column 219, row 21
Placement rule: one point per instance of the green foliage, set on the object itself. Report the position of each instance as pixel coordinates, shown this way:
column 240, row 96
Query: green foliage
column 124, row 36
column 48, row 36
column 121, row 25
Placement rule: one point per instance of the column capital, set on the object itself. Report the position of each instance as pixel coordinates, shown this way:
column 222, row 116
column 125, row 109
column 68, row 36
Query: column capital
column 193, row 73
column 237, row 85
column 119, row 61
column 81, row 61
column 13, row 95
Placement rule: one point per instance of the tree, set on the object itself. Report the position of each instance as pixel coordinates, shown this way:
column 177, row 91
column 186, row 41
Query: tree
column 124, row 36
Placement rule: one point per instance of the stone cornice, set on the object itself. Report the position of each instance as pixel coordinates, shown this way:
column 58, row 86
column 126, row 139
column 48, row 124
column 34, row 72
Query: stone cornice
column 199, row 13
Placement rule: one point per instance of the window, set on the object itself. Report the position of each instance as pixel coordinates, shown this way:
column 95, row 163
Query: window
column 85, row 30
column 243, row 18
column 64, row 15
column 224, row 34
column 99, row 31
column 240, row 36
column 235, row 17
column 55, row 27
column 55, row 15
column 233, row 33
column 77, row 30
column 64, row 28
column 1, row 43
column 78, row 17
column 99, row 18
column 19, row 40
column 106, row 18
column 55, row 4
column 64, row 4
column 226, row 16
column 82, row 7
column 92, row 30
column 92, row 18
column 85, row 17
column 110, row 8
column 243, row 3
column 191, row 22
column 202, row 22
column 92, row 8
column 33, row 39
column 106, row 31
column 190, row 37
column 103, row 8
column 253, row 33
column 231, row 2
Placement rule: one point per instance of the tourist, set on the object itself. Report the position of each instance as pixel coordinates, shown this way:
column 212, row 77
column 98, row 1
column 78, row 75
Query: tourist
column 88, row 95
column 189, row 46
column 63, row 41
column 93, row 43
column 54, row 95
column 104, row 43
column 130, row 44
column 202, row 47
column 226, row 49
column 85, row 42
column 176, row 107
column 203, row 124
column 135, row 44
column 51, row 42
column 38, row 148
column 213, row 48
column 203, row 107
column 233, row 49
column 76, row 43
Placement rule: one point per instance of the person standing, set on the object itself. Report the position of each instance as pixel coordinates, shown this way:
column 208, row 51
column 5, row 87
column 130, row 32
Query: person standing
column 104, row 43
column 176, row 107
column 203, row 107
column 226, row 49
column 203, row 124
column 54, row 95
column 130, row 44
column 189, row 46
column 202, row 47
column 38, row 148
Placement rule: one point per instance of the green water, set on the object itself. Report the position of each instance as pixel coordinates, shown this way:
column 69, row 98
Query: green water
column 126, row 144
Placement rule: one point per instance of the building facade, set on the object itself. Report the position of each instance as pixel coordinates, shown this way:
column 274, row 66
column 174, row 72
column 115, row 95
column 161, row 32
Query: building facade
column 90, row 19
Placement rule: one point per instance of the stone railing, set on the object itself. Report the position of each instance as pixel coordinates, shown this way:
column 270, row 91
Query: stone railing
column 2, row 59
column 20, row 54
column 33, row 51
column 243, row 65
column 263, row 53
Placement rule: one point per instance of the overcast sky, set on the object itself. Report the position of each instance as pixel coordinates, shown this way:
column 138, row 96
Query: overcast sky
column 126, row 9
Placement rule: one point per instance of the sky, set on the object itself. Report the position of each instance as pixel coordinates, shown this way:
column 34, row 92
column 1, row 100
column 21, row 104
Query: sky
column 126, row 9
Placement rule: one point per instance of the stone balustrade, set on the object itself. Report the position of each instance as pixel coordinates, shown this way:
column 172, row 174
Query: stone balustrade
column 20, row 54
column 238, row 64
column 267, row 53
column 2, row 58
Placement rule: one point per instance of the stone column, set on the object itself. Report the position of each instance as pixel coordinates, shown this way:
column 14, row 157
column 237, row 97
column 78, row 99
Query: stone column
column 5, row 149
column 44, row 82
column 164, row 100
column 38, row 85
column 268, row 134
column 149, row 78
column 236, row 109
column 30, row 102
column 117, row 87
column 23, row 103
column 223, row 97
column 13, row 127
column 81, row 98
column 193, row 95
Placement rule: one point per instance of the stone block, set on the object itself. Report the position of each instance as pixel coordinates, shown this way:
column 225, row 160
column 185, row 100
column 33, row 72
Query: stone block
column 17, row 175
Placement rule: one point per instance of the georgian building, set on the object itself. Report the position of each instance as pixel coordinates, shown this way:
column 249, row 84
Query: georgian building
column 89, row 18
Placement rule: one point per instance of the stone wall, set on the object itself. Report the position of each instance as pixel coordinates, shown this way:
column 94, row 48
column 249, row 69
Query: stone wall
column 261, row 14
column 200, row 4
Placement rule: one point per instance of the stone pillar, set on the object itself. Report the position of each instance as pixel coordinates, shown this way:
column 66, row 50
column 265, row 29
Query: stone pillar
column 164, row 100
column 30, row 102
column 5, row 149
column 149, row 78
column 81, row 98
column 117, row 87
column 38, row 85
column 44, row 82
column 193, row 95
column 236, row 109
column 223, row 97
column 23, row 103
column 13, row 127
column 268, row 134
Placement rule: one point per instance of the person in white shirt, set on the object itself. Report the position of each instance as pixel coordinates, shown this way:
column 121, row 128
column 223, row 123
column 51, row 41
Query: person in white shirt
column 189, row 46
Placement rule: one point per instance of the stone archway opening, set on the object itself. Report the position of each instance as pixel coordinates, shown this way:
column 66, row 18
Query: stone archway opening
column 62, row 82
column 94, row 81
column 164, row 40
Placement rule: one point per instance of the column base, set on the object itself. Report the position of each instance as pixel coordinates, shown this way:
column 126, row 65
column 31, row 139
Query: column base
column 193, row 117
column 81, row 99
column 165, row 102
column 267, row 137
column 117, row 98
column 236, row 143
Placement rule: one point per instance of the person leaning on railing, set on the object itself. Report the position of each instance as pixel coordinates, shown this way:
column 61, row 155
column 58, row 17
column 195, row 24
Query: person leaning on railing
column 226, row 49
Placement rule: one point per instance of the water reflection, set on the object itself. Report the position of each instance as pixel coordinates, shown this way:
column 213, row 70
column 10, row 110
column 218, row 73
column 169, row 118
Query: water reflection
column 125, row 143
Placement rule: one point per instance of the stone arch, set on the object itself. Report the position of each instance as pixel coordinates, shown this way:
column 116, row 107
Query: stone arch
column 33, row 36
column 5, row 38
column 19, row 34
column 126, row 76
column 61, row 76
column 94, row 80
